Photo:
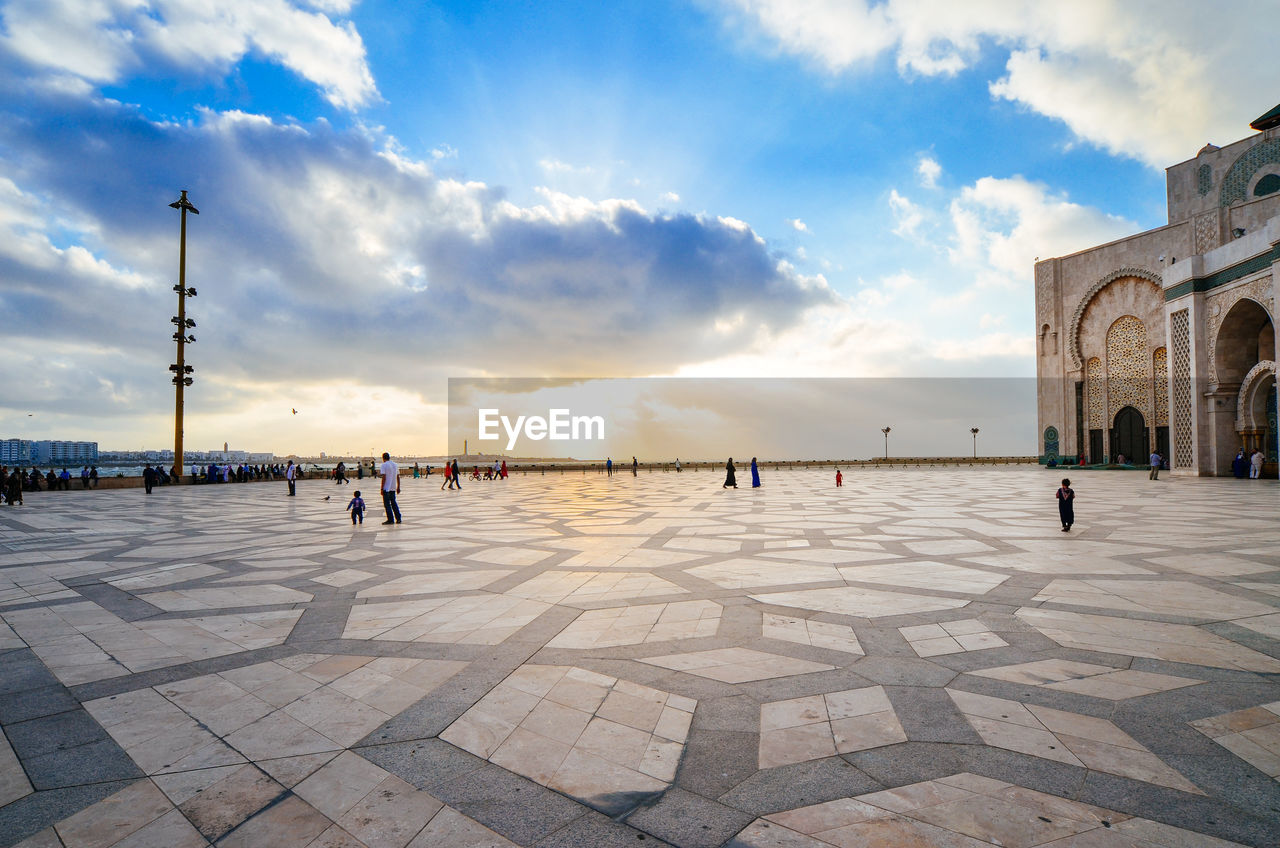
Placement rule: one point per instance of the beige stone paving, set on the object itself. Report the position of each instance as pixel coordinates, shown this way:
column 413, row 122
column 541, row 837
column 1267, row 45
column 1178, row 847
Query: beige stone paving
column 585, row 734
column 963, row 810
column 858, row 601
column 1136, row 638
column 735, row 665
column 817, row 726
column 1253, row 735
column 635, row 625
column 950, row 637
column 1077, row 740
column 471, row 619
column 1098, row 681
column 803, row 631
column 261, row 753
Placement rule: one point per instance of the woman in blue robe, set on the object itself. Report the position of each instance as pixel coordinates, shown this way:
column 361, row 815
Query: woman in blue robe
column 1240, row 465
column 755, row 474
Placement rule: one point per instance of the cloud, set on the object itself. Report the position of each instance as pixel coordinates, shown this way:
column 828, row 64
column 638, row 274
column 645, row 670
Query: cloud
column 670, row 197
column 1150, row 80
column 555, row 166
column 928, row 170
column 104, row 41
column 1000, row 226
column 906, row 213
column 798, row 225
column 323, row 255
column 444, row 151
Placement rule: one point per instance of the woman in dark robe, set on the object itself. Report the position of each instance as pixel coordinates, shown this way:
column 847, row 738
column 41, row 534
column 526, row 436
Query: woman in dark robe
column 1066, row 505
column 730, row 476
column 1240, row 465
column 755, row 474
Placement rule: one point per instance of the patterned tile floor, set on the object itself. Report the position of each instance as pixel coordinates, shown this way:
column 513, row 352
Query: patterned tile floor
column 918, row 658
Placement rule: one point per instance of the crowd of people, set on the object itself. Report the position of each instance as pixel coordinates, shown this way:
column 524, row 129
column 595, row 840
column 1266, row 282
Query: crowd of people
column 15, row 481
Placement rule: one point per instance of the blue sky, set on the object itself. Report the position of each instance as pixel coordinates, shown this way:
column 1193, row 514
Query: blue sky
column 396, row 193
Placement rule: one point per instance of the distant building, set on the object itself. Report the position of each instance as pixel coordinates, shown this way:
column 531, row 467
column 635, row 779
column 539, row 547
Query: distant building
column 15, row 452
column 1166, row 340
column 47, row 452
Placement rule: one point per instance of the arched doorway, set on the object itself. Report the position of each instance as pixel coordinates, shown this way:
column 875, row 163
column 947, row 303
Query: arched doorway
column 1129, row 436
column 1245, row 337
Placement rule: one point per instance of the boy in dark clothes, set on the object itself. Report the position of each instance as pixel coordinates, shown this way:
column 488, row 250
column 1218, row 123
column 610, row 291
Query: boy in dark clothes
column 1066, row 505
column 357, row 508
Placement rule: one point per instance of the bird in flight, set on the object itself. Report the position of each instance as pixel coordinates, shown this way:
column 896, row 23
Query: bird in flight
column 295, row 412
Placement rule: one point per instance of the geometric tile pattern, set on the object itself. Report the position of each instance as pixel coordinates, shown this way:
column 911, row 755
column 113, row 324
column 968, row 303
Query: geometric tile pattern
column 803, row 631
column 1098, row 681
column 1078, row 740
column 962, row 810
column 1253, row 735
column 950, row 637
column 634, row 625
column 735, row 665
column 589, row 735
column 817, row 726
column 1158, row 640
column 233, row 666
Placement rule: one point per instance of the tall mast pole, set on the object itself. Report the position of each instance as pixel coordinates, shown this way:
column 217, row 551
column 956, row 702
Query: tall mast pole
column 181, row 371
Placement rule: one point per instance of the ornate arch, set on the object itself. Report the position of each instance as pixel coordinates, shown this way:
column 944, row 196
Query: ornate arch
column 1218, row 307
column 1073, row 337
column 1235, row 185
column 1244, row 410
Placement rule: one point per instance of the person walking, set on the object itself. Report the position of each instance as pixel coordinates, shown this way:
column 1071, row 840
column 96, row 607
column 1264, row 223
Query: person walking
column 417, row 472
column 755, row 474
column 839, row 479
column 448, row 475
column 504, row 469
column 1255, row 465
column 291, row 475
column 13, row 492
column 677, row 465
column 357, row 508
column 390, row 488
column 148, row 478
column 1066, row 505
column 1155, row 466
column 457, row 480
column 730, row 475
column 608, row 467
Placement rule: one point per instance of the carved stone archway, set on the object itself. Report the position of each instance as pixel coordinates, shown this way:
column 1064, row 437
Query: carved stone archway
column 1246, row 401
column 1073, row 334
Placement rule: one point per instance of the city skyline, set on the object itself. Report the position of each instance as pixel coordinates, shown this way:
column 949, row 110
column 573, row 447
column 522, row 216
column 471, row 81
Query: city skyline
column 391, row 197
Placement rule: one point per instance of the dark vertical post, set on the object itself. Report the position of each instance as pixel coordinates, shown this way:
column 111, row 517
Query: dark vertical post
column 181, row 371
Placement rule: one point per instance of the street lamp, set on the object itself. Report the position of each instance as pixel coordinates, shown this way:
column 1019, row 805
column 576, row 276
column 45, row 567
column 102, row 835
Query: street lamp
column 886, row 430
column 181, row 370
column 974, row 431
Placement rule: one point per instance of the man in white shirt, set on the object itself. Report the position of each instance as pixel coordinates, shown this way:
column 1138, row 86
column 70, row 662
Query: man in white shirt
column 291, row 474
column 1255, row 465
column 390, row 488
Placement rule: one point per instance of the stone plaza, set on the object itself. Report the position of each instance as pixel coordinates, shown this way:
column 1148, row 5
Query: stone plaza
column 921, row 657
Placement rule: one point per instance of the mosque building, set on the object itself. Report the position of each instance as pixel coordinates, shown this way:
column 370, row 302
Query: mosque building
column 1166, row 340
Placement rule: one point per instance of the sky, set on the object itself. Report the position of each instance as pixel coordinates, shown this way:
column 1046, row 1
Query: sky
column 395, row 194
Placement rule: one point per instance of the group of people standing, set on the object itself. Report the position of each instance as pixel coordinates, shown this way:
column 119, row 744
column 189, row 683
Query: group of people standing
column 13, row 482
column 1250, row 467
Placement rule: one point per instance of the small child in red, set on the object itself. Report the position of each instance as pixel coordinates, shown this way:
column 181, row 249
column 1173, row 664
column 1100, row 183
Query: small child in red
column 357, row 508
column 839, row 478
